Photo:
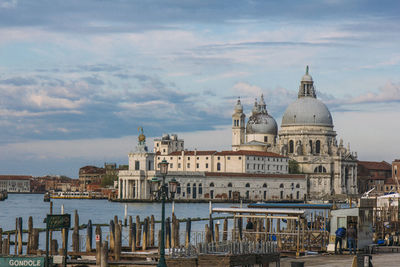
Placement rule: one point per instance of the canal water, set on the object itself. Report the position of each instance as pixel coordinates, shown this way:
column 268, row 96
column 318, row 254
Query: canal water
column 99, row 211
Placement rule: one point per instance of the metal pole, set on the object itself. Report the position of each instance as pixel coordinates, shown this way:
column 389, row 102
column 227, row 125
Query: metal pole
column 162, row 262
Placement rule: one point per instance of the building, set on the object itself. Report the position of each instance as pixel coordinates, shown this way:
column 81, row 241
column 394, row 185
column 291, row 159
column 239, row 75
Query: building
column 374, row 174
column 225, row 175
column 306, row 137
column 15, row 183
column 90, row 175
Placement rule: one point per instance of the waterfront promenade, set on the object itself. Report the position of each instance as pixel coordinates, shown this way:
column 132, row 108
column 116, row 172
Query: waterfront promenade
column 378, row 260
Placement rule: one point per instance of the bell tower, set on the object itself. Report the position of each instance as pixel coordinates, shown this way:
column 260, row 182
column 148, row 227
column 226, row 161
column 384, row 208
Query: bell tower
column 238, row 129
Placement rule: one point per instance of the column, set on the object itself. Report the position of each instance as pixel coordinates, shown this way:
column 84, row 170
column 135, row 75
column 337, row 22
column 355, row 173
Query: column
column 120, row 188
column 139, row 189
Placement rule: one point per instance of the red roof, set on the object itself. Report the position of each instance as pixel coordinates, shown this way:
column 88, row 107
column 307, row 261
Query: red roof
column 375, row 165
column 15, row 177
column 255, row 175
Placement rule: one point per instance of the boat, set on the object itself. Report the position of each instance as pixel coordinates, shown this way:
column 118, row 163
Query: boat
column 46, row 197
column 70, row 195
column 3, row 195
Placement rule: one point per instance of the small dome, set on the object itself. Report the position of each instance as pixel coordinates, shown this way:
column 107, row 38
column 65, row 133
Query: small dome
column 307, row 111
column 261, row 123
column 238, row 107
column 306, row 78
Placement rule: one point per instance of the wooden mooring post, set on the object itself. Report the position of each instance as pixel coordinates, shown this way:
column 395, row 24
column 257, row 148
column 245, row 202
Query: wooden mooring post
column 89, row 236
column 133, row 234
column 225, row 231
column 138, row 231
column 152, row 230
column 188, row 230
column 1, row 241
column 130, row 232
column 117, row 242
column 20, row 236
column 98, row 244
column 75, row 233
column 112, row 235
column 104, row 254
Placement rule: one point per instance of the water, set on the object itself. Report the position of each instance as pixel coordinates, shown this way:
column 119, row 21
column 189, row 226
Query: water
column 99, row 211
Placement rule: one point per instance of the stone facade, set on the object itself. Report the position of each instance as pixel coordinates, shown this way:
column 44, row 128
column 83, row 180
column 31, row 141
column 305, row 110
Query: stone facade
column 306, row 136
column 15, row 183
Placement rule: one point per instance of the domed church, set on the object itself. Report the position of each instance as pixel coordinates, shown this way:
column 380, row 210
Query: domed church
column 306, row 135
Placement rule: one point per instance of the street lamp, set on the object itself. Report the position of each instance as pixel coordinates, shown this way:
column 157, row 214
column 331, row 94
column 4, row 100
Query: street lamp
column 163, row 171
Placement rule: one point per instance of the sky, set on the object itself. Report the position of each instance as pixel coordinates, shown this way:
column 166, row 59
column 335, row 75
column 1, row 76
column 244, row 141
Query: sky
column 77, row 78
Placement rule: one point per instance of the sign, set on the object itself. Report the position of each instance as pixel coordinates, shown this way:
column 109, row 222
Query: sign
column 22, row 261
column 58, row 221
column 97, row 238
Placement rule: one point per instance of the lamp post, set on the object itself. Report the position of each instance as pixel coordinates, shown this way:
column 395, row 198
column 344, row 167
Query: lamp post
column 162, row 192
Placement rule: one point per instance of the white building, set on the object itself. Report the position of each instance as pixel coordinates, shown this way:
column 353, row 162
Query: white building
column 260, row 155
column 15, row 183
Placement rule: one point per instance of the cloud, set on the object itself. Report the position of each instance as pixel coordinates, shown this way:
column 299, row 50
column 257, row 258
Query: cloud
column 19, row 81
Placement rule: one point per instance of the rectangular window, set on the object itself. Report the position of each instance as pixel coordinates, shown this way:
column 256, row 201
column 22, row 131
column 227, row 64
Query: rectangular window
column 171, row 165
column 206, row 165
column 248, row 166
column 197, row 158
column 206, row 157
column 240, row 158
column 254, row 166
column 179, row 165
column 188, row 165
column 197, row 165
column 137, row 165
column 265, row 138
column 188, row 158
column 229, row 158
column 218, row 158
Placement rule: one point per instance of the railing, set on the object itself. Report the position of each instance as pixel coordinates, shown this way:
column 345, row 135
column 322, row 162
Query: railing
column 226, row 247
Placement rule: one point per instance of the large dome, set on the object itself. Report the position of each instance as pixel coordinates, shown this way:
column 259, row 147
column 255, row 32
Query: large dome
column 261, row 124
column 307, row 111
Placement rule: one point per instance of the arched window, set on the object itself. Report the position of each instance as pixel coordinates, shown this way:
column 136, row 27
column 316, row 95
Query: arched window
column 281, row 186
column 320, row 169
column 188, row 188
column 247, row 185
column 318, row 147
column 218, row 166
column 264, row 185
column 297, row 195
column 311, row 146
column 281, row 194
column 211, row 184
column 178, row 189
column 200, row 189
column 297, row 185
column 291, row 146
column 230, row 185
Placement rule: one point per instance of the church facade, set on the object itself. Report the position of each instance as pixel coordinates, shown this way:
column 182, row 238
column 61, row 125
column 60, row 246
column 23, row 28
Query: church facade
column 257, row 167
column 306, row 136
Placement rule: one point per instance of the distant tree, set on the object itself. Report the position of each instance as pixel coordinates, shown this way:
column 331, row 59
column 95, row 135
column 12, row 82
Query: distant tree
column 108, row 180
column 293, row 166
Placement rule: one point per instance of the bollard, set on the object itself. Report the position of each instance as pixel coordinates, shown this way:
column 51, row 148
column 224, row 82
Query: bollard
column 173, row 224
column 177, row 241
column 188, row 230
column 104, row 254
column 117, row 242
column 75, row 233
column 138, row 231
column 53, row 247
column 208, row 234
column 89, row 236
column 217, row 232
column 4, row 247
column 35, row 240
column 30, row 232
column 167, row 233
column 225, row 232
column 20, row 236
column 126, row 214
column 130, row 232
column 144, row 241
column 98, row 244
column 152, row 228
column 112, row 235
column 133, row 233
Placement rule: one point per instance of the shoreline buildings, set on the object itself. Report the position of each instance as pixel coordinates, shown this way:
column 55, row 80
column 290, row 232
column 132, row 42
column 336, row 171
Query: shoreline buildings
column 257, row 167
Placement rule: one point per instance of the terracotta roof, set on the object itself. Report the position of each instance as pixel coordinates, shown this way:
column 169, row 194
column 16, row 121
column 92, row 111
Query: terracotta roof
column 250, row 153
column 91, row 169
column 375, row 165
column 15, row 177
column 192, row 153
column 255, row 175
